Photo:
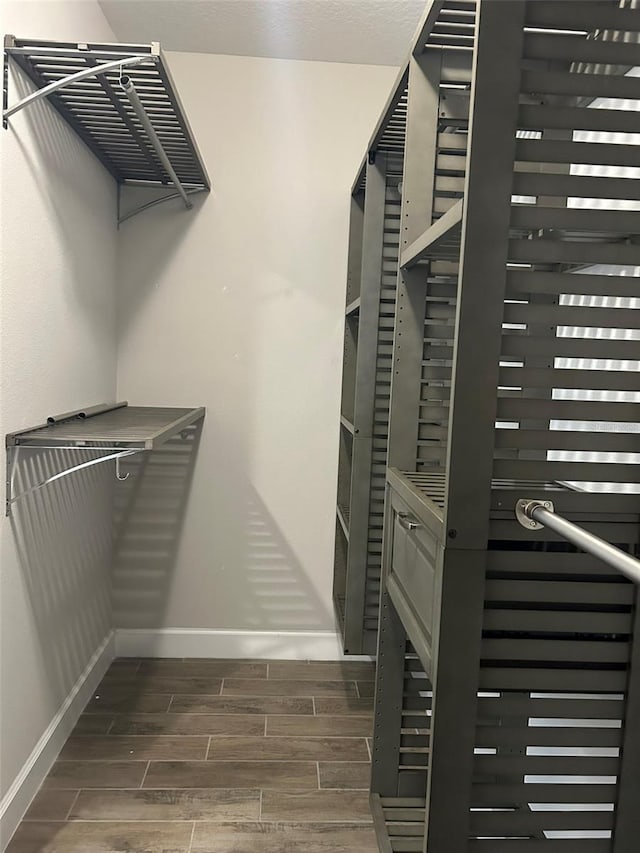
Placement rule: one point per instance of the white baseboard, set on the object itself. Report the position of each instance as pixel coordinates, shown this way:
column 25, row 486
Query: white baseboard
column 195, row 643
column 25, row 786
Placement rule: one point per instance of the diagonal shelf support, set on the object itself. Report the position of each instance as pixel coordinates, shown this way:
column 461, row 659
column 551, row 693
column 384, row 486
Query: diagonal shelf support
column 446, row 229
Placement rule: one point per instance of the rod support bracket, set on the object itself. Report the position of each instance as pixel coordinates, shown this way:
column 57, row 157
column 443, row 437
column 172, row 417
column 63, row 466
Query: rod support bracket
column 524, row 512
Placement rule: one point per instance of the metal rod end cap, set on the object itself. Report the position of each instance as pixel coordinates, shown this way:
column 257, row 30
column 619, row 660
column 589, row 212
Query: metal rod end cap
column 524, row 509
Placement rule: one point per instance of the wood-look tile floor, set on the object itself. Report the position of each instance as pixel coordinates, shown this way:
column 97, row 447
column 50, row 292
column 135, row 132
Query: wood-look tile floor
column 213, row 756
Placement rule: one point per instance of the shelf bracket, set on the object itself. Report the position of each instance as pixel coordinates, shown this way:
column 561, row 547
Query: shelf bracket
column 12, row 460
column 122, row 217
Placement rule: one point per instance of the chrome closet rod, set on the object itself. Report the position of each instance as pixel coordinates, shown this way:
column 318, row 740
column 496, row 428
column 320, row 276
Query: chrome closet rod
column 533, row 514
column 136, row 104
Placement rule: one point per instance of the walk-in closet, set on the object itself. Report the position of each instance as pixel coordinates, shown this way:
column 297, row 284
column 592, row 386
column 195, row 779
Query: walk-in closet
column 319, row 387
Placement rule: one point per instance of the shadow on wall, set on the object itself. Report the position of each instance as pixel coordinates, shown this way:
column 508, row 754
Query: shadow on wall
column 278, row 593
column 264, row 582
column 150, row 507
column 53, row 161
column 63, row 537
column 264, row 585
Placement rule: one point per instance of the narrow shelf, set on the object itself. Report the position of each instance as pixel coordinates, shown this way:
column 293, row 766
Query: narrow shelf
column 119, row 425
column 353, row 307
column 115, row 430
column 343, row 517
column 346, row 423
column 440, row 240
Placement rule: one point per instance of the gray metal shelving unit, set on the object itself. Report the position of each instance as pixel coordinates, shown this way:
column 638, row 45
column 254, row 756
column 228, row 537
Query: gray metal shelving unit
column 374, row 248
column 509, row 661
column 122, row 102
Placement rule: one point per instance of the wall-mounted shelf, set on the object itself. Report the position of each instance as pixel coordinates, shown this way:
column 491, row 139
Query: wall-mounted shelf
column 115, row 431
column 121, row 101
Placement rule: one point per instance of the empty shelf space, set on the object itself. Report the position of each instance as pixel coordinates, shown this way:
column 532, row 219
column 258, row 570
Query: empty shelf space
column 399, row 823
column 353, row 307
column 441, row 240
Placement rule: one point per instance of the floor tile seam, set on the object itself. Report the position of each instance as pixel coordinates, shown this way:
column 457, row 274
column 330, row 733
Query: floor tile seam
column 338, row 821
column 277, row 790
column 306, row 737
column 211, row 714
column 344, row 790
column 144, row 775
column 328, row 760
column 101, row 788
column 272, row 680
column 181, row 820
column 222, row 820
column 193, row 832
column 214, row 713
column 281, row 695
column 101, row 760
column 132, row 789
column 73, row 805
column 205, row 761
column 83, row 735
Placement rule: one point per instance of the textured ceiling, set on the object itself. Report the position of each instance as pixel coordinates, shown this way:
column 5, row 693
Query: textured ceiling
column 371, row 32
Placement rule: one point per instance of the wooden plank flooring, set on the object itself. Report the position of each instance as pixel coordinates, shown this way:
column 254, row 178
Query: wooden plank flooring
column 213, row 756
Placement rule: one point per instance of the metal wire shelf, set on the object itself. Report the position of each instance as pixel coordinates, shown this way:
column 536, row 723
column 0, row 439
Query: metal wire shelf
column 121, row 101
column 113, row 430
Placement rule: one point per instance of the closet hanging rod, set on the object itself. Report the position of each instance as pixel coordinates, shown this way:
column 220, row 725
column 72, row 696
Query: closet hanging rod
column 130, row 91
column 91, row 71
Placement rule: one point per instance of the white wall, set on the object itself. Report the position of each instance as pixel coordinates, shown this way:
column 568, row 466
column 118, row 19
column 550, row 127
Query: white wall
column 57, row 330
column 237, row 305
